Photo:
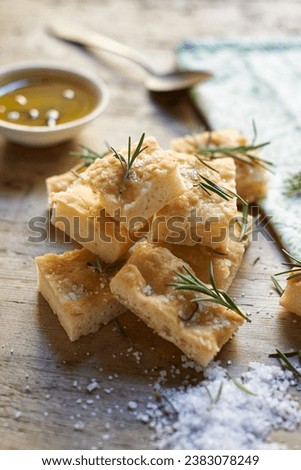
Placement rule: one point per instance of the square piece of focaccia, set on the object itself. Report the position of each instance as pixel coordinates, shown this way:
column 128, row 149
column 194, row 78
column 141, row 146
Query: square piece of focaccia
column 291, row 297
column 77, row 292
column 57, row 183
column 251, row 178
column 198, row 329
column 79, row 212
column 198, row 257
column 199, row 216
column 154, row 179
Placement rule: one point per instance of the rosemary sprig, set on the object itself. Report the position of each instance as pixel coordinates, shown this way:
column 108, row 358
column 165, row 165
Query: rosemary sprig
column 239, row 152
column 277, row 286
column 292, row 185
column 189, row 281
column 210, row 187
column 128, row 161
column 287, row 364
column 241, row 386
column 88, row 155
column 295, row 267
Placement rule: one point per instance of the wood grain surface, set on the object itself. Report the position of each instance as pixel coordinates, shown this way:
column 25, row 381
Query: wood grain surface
column 44, row 400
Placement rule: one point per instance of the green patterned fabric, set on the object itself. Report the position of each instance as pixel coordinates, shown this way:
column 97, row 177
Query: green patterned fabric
column 261, row 81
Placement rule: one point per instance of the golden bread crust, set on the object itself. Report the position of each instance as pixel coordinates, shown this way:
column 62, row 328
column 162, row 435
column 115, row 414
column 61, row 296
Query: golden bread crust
column 142, row 286
column 291, row 297
column 154, row 180
column 77, row 293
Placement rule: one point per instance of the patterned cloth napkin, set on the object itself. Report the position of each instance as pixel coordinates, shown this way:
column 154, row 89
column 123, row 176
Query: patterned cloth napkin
column 260, row 81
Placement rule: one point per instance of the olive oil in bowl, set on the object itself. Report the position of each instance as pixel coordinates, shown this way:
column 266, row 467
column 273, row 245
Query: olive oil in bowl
column 43, row 105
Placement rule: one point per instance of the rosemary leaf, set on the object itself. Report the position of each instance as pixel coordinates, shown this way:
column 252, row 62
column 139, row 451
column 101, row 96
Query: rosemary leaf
column 292, row 257
column 288, row 354
column 277, row 286
column 294, row 276
column 210, row 187
column 283, row 357
column 203, row 161
column 241, row 386
column 211, row 277
column 97, row 265
column 244, row 224
column 295, row 267
column 297, row 274
column 214, row 400
column 219, row 392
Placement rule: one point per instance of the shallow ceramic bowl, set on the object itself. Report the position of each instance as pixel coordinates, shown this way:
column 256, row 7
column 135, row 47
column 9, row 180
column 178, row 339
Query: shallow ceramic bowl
column 42, row 136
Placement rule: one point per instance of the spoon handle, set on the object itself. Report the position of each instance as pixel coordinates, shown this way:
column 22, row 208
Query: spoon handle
column 91, row 39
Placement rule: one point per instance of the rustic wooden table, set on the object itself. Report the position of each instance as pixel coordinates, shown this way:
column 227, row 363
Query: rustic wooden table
column 44, row 377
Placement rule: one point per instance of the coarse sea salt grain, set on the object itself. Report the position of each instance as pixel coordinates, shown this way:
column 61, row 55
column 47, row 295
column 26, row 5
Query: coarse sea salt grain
column 132, row 405
column 92, row 386
column 237, row 420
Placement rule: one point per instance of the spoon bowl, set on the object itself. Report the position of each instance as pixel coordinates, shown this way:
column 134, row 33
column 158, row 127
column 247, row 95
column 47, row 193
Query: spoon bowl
column 175, row 81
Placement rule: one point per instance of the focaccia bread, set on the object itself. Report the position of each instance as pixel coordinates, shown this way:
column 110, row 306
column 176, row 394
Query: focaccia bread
column 291, row 297
column 77, row 293
column 79, row 212
column 154, row 179
column 197, row 216
column 199, row 256
column 94, row 213
column 198, row 329
column 251, row 179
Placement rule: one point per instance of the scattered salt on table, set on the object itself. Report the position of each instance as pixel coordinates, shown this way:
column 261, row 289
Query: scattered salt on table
column 237, row 420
